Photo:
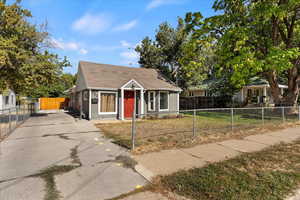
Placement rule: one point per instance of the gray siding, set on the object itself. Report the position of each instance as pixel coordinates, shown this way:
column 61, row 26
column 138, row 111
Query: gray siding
column 80, row 83
column 173, row 98
column 85, row 104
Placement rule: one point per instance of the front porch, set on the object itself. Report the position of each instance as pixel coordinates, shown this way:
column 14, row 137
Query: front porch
column 132, row 100
column 258, row 95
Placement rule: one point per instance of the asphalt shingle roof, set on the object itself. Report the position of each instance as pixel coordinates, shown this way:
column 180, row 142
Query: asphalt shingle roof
column 114, row 77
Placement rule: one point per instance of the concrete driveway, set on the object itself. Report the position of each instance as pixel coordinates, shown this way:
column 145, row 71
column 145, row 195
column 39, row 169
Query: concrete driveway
column 53, row 156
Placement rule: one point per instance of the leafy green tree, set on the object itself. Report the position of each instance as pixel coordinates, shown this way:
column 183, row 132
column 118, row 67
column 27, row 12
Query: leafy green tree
column 173, row 54
column 25, row 62
column 255, row 37
column 57, row 88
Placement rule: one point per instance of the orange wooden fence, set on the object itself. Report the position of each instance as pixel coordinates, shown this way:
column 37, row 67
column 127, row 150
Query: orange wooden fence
column 53, row 103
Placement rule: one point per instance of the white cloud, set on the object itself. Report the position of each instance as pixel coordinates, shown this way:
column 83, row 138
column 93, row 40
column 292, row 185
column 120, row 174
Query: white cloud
column 126, row 26
column 129, row 57
column 124, row 43
column 92, row 24
column 158, row 3
column 83, row 51
column 67, row 46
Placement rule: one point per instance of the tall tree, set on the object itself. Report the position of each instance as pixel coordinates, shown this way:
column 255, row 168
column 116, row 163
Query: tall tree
column 25, row 62
column 256, row 37
column 173, row 54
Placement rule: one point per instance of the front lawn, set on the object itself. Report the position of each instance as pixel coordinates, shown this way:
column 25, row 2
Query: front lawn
column 269, row 174
column 210, row 126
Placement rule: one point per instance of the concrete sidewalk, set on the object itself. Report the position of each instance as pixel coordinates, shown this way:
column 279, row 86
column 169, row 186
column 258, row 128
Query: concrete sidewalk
column 169, row 161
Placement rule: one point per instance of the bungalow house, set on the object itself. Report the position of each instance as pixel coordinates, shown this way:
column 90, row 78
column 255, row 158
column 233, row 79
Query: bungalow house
column 108, row 92
column 7, row 99
column 256, row 92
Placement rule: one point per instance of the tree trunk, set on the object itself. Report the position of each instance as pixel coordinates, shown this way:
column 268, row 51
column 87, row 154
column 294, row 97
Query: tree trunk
column 275, row 90
column 291, row 97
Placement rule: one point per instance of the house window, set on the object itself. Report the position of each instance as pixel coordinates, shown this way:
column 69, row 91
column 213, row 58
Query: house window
column 249, row 92
column 6, row 100
column 12, row 100
column 108, row 102
column 163, row 101
column 206, row 93
column 191, row 93
column 151, row 101
column 94, row 97
column 85, row 95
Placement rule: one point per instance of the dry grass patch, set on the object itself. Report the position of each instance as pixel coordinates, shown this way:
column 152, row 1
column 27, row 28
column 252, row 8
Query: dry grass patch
column 157, row 134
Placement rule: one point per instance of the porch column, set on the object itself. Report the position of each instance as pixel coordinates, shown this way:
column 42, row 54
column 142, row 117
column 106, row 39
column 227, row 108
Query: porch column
column 90, row 104
column 122, row 104
column 142, row 101
column 265, row 91
column 282, row 91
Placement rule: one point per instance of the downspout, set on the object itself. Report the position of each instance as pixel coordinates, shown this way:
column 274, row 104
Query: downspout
column 90, row 104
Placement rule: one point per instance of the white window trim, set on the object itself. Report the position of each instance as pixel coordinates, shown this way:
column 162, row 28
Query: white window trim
column 159, row 100
column 149, row 103
column 99, row 106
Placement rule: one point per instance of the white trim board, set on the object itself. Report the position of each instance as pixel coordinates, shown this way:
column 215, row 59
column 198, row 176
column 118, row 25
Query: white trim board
column 132, row 80
column 154, row 101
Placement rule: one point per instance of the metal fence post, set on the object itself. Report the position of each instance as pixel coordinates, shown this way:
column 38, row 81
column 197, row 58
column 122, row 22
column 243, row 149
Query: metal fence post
column 133, row 132
column 194, row 123
column 17, row 116
column 133, row 128
column 299, row 112
column 231, row 119
column 9, row 119
column 283, row 115
column 263, row 115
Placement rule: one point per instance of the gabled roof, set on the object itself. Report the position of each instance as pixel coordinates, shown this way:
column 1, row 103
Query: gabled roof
column 257, row 81
column 104, row 76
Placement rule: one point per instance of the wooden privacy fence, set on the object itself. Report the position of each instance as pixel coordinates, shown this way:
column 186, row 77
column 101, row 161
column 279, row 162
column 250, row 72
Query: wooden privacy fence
column 189, row 103
column 53, row 103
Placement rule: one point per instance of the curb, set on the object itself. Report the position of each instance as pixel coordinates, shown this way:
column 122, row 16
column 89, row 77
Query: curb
column 147, row 174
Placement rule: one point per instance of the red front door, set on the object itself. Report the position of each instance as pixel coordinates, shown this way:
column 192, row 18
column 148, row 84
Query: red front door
column 128, row 103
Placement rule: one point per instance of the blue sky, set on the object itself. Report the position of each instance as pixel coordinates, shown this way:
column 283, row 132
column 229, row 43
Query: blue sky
column 106, row 31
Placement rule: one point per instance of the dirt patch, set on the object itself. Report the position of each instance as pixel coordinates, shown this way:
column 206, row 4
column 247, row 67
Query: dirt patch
column 74, row 156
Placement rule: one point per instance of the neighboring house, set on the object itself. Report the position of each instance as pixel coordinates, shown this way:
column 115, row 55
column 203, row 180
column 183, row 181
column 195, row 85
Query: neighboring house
column 202, row 90
column 107, row 91
column 256, row 92
column 7, row 99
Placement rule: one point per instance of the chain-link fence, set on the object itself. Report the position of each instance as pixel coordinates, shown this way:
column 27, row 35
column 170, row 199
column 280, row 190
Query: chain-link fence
column 182, row 126
column 11, row 118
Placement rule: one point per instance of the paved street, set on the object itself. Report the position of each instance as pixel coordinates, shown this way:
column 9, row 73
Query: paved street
column 82, row 163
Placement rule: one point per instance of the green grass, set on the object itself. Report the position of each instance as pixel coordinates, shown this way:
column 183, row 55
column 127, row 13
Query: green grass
column 48, row 175
column 269, row 174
